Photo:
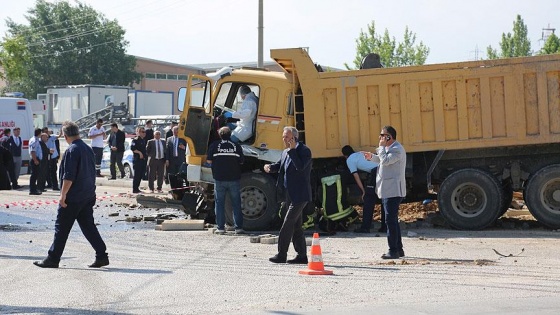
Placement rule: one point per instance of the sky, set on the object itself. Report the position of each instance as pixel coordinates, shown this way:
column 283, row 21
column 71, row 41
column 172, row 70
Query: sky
column 221, row 31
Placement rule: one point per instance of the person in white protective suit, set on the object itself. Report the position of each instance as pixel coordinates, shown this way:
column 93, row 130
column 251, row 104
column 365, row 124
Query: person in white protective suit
column 246, row 115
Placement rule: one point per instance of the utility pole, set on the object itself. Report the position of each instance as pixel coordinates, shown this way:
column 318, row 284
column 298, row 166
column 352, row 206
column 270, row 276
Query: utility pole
column 260, row 30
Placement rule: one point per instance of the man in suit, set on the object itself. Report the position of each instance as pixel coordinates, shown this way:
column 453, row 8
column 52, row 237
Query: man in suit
column 390, row 186
column 139, row 159
column 294, row 176
column 175, row 152
column 8, row 160
column 156, row 161
column 116, row 143
column 14, row 146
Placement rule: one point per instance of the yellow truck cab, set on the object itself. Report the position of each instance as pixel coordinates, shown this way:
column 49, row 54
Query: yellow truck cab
column 474, row 132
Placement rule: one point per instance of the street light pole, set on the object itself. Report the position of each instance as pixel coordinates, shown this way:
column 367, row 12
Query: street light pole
column 260, row 30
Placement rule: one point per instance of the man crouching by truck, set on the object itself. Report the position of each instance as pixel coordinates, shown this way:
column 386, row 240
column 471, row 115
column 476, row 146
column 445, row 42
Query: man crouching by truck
column 390, row 185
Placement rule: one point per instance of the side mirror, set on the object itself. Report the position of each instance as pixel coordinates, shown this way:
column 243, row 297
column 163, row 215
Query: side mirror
column 182, row 94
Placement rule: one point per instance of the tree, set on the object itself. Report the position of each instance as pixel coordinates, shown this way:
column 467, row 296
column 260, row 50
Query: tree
column 551, row 46
column 516, row 45
column 391, row 53
column 63, row 45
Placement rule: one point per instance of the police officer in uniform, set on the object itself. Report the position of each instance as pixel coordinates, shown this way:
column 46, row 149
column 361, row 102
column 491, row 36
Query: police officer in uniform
column 226, row 158
column 139, row 160
column 77, row 198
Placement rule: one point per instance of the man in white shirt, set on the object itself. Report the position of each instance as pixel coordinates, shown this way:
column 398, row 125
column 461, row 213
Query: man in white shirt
column 246, row 115
column 97, row 135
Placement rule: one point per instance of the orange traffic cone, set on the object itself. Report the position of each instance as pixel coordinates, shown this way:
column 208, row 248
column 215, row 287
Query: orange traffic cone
column 315, row 266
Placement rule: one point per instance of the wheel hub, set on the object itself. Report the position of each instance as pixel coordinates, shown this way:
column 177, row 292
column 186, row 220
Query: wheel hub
column 551, row 195
column 469, row 200
column 253, row 202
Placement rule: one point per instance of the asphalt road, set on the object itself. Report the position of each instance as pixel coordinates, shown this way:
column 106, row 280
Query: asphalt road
column 195, row 272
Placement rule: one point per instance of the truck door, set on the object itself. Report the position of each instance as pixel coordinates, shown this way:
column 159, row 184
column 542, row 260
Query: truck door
column 196, row 117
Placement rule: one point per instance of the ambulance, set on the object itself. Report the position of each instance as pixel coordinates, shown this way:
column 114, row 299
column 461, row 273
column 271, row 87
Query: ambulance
column 17, row 112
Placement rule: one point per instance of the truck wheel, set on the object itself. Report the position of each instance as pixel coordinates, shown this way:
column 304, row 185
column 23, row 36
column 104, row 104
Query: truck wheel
column 258, row 202
column 470, row 199
column 542, row 196
column 127, row 171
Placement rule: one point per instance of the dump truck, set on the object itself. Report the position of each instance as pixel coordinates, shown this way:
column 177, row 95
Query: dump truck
column 474, row 132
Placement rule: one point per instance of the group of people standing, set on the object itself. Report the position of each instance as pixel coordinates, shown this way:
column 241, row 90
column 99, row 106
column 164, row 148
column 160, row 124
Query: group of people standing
column 387, row 164
column 10, row 156
column 161, row 156
column 154, row 156
column 44, row 152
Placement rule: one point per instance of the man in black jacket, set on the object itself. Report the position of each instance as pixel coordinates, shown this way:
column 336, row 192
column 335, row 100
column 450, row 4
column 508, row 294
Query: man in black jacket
column 175, row 152
column 15, row 144
column 294, row 177
column 138, row 146
column 116, row 143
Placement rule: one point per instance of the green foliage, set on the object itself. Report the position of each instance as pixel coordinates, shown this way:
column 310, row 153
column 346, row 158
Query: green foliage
column 551, row 46
column 391, row 53
column 516, row 45
column 65, row 44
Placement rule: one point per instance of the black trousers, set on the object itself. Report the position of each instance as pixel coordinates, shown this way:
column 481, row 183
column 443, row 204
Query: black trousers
column 292, row 230
column 116, row 158
column 83, row 213
column 139, row 170
column 38, row 176
column 52, row 179
column 98, row 157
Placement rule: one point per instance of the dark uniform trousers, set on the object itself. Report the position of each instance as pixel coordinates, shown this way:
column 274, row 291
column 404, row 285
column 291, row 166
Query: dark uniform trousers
column 139, row 170
column 82, row 212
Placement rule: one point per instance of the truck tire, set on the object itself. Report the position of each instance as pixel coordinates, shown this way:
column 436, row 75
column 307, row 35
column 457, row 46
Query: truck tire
column 470, row 199
column 542, row 196
column 258, row 202
column 127, row 171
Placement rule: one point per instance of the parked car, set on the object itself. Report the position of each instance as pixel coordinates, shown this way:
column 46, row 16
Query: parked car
column 126, row 161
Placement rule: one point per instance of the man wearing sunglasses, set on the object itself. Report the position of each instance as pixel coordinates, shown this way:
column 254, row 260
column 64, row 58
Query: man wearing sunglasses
column 138, row 147
column 390, row 185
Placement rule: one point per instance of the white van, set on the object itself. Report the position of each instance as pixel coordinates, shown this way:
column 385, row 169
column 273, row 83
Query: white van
column 17, row 112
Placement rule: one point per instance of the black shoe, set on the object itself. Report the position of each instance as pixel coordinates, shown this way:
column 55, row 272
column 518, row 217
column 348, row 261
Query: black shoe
column 17, row 186
column 300, row 260
column 44, row 190
column 136, row 191
column 112, row 178
column 35, row 193
column 382, row 229
column 123, row 175
column 361, row 230
column 46, row 263
column 100, row 262
column 391, row 255
column 401, row 253
column 277, row 259
column 48, row 186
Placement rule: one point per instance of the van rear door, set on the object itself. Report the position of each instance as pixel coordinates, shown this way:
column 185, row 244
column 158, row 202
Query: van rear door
column 17, row 112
